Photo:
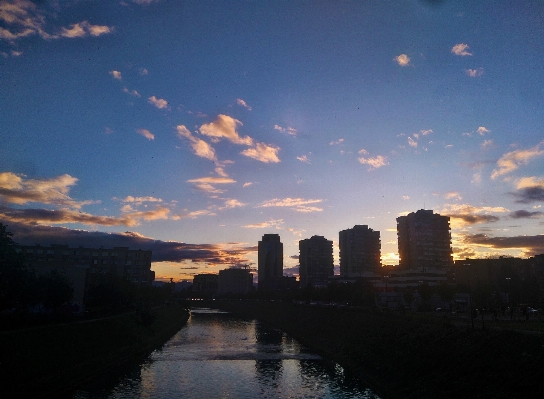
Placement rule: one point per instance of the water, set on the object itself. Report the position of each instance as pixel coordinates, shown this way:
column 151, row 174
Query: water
column 218, row 356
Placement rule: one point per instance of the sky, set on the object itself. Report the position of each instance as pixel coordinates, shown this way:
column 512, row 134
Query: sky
column 192, row 128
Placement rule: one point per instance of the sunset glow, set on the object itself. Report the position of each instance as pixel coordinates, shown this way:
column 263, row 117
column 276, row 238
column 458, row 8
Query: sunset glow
column 194, row 128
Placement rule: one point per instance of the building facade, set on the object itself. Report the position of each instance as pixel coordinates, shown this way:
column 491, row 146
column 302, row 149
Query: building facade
column 205, row 284
column 270, row 263
column 316, row 261
column 234, row 281
column 360, row 251
column 81, row 265
column 424, row 240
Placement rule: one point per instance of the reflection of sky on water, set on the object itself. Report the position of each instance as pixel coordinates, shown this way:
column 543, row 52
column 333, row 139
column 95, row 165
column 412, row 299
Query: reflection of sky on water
column 218, row 356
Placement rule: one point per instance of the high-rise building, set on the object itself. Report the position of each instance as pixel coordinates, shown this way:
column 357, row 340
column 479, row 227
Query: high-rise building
column 360, row 251
column 316, row 261
column 424, row 240
column 270, row 267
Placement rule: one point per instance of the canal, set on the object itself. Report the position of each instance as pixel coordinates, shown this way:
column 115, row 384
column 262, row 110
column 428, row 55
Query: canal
column 219, row 356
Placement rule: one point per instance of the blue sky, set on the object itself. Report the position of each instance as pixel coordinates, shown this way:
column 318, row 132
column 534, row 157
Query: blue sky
column 193, row 128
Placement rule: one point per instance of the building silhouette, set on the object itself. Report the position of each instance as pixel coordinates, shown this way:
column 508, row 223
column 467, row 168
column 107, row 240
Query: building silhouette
column 424, row 240
column 316, row 261
column 360, row 251
column 205, row 284
column 270, row 264
column 83, row 266
column 234, row 281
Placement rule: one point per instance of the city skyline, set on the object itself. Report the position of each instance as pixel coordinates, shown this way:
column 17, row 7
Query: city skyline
column 193, row 129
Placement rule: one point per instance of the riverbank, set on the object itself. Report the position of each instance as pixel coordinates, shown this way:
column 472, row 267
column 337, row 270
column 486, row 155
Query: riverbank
column 52, row 360
column 411, row 357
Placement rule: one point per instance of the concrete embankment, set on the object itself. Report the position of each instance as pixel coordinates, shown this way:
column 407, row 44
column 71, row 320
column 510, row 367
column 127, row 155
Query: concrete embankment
column 408, row 356
column 52, row 360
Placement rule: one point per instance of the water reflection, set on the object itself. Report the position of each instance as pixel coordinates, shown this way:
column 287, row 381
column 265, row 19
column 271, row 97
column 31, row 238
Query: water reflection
column 217, row 356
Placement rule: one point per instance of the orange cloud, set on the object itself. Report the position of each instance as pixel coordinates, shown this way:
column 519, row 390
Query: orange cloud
column 403, row 60
column 14, row 189
column 513, row 159
column 146, row 133
column 158, row 102
column 200, row 147
column 460, row 49
column 225, row 127
column 263, row 152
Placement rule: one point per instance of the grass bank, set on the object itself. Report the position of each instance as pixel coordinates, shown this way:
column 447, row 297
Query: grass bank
column 51, row 360
column 405, row 357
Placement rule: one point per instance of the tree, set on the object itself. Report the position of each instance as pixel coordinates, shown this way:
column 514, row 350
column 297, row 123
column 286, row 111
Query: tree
column 446, row 293
column 425, row 293
column 56, row 290
column 15, row 279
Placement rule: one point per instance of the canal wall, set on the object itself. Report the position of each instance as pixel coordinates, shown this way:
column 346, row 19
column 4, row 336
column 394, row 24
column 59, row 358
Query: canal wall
column 408, row 356
column 50, row 361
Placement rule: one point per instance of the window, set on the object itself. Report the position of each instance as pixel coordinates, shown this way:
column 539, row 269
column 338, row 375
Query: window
column 29, row 251
column 105, row 253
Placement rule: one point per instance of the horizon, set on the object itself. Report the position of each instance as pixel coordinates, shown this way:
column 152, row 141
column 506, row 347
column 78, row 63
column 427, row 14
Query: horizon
column 195, row 129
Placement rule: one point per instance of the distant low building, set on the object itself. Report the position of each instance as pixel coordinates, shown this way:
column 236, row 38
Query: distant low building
column 205, row 284
column 234, row 281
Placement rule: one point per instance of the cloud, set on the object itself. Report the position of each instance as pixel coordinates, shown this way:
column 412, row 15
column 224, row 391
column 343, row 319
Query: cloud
column 403, row 60
column 146, row 133
column 143, row 71
column 158, row 102
column 139, row 200
column 194, row 214
column 531, row 245
column 264, row 225
column 131, row 92
column 453, row 195
column 521, row 214
column 16, row 190
column 482, row 130
column 460, row 49
column 263, row 152
column 242, row 103
column 24, row 18
column 405, row 197
column 233, row 203
column 290, row 130
column 84, row 28
column 296, row 204
column 426, row 132
column 64, row 216
column 247, row 184
column 303, row 158
column 530, row 189
column 487, row 144
column 225, row 127
column 116, row 75
column 465, row 214
column 206, row 184
column 200, row 147
column 336, row 142
column 513, row 159
column 412, row 142
column 474, row 73
column 163, row 251
column 374, row 162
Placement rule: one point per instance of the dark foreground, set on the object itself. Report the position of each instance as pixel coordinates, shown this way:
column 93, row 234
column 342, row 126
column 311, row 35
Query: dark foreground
column 402, row 356
column 51, row 361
